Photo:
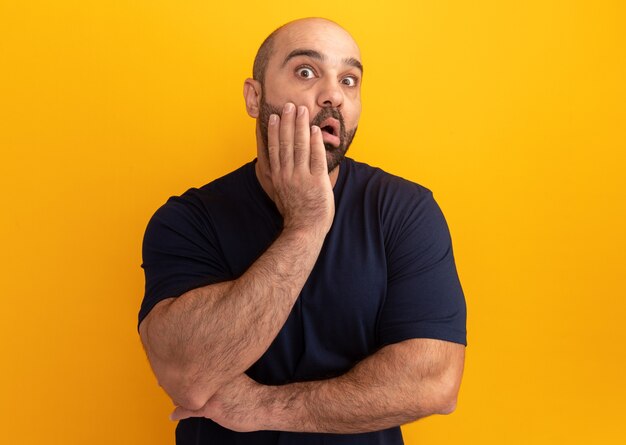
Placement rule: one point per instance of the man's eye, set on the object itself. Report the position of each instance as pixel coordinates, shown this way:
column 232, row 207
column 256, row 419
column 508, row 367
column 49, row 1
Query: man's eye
column 349, row 81
column 305, row 73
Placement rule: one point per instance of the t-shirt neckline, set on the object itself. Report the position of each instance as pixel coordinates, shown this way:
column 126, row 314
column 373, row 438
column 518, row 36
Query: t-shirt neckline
column 344, row 169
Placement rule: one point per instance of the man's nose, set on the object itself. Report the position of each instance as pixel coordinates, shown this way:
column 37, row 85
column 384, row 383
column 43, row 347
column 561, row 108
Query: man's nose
column 330, row 94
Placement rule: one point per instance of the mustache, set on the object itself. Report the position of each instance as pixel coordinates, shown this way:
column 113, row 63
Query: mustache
column 325, row 113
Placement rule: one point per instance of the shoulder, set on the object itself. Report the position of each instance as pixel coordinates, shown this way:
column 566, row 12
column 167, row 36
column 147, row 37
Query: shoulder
column 394, row 195
column 409, row 216
column 198, row 200
column 191, row 212
column 375, row 177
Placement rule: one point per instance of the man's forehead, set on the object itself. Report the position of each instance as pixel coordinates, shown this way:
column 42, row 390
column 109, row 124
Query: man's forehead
column 318, row 35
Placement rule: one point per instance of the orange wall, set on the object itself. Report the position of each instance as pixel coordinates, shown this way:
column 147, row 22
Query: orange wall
column 512, row 112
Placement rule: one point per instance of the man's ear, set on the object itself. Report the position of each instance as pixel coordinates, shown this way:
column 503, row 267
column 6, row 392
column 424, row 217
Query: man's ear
column 252, row 96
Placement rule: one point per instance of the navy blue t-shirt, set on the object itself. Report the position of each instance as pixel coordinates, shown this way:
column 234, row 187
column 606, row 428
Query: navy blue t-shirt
column 385, row 274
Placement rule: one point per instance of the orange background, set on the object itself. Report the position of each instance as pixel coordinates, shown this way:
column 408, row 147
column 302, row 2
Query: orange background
column 512, row 112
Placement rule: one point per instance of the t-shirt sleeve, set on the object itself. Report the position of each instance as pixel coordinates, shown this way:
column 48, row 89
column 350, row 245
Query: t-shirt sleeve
column 424, row 296
column 180, row 252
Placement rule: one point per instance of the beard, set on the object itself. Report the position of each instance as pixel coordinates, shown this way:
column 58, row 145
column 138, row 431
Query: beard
column 334, row 155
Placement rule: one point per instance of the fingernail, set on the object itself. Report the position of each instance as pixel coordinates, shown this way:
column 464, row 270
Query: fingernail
column 273, row 119
column 301, row 110
column 288, row 107
column 315, row 129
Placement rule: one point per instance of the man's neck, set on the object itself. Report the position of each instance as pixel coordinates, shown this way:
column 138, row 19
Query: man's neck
column 266, row 182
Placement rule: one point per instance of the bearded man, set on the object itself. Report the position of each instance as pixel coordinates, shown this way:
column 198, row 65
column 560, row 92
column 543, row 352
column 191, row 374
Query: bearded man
column 304, row 298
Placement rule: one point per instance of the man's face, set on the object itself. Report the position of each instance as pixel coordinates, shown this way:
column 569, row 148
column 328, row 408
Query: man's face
column 316, row 64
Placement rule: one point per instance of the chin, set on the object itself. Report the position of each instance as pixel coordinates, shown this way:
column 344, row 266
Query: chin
column 334, row 157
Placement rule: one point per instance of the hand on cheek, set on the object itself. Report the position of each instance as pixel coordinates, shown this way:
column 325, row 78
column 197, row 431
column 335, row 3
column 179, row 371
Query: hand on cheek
column 299, row 171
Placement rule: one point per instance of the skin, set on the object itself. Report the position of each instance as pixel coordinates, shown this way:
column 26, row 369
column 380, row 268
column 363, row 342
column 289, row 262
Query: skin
column 201, row 343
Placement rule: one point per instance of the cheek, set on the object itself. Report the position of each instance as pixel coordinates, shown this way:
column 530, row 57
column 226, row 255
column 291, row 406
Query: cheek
column 352, row 120
column 281, row 91
column 276, row 94
column 279, row 99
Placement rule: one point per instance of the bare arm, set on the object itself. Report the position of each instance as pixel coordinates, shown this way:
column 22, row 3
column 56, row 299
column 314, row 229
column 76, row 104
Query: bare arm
column 197, row 342
column 203, row 339
column 399, row 384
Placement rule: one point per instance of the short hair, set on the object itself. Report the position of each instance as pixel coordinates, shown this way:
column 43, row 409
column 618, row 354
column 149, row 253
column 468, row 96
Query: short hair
column 263, row 56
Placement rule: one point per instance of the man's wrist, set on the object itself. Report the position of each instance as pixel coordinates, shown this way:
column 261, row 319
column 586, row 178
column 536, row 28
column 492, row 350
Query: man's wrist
column 281, row 408
column 308, row 235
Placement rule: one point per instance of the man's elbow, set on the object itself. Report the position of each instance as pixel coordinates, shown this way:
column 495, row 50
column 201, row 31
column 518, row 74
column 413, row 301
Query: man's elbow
column 179, row 382
column 185, row 391
column 446, row 398
column 440, row 396
column 179, row 378
column 436, row 404
column 446, row 407
column 191, row 401
column 448, row 385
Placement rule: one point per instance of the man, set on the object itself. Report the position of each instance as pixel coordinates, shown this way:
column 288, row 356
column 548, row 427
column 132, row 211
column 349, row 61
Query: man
column 305, row 297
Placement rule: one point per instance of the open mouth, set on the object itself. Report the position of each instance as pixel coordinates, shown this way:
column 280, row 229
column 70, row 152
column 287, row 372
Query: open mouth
column 330, row 131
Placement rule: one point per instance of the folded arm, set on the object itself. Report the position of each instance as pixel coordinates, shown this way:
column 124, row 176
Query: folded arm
column 398, row 384
column 201, row 340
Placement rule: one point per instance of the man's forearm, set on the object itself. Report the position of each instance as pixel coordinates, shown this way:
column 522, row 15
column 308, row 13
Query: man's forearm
column 209, row 335
column 399, row 384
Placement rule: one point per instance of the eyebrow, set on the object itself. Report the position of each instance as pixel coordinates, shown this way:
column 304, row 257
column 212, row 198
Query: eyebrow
column 319, row 56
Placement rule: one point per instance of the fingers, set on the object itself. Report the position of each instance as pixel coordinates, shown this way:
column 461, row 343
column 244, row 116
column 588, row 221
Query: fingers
column 286, row 133
column 318, row 152
column 181, row 413
column 293, row 144
column 272, row 143
column 301, row 145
